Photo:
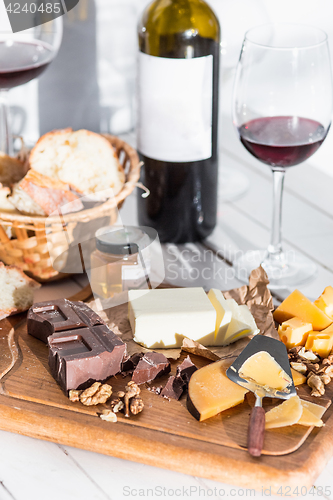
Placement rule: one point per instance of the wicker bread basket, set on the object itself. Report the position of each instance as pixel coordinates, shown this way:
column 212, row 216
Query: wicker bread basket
column 30, row 247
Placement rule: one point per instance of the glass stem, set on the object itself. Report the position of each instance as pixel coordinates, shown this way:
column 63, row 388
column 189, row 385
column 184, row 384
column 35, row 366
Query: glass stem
column 6, row 143
column 275, row 246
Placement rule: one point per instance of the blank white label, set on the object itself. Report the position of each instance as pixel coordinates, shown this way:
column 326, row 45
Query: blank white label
column 175, row 108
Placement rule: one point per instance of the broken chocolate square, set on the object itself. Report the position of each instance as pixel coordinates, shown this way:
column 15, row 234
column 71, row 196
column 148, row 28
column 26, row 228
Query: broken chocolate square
column 185, row 370
column 174, row 388
column 151, row 365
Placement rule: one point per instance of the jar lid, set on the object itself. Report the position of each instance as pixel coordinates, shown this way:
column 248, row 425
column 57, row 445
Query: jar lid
column 121, row 241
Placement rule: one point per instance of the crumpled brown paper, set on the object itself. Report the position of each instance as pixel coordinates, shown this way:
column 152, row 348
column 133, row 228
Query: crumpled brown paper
column 256, row 296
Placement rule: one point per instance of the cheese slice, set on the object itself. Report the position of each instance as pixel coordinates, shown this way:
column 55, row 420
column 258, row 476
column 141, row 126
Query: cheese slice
column 325, row 302
column 312, row 414
column 295, row 411
column 241, row 325
column 299, row 306
column 287, row 413
column 223, row 315
column 160, row 318
column 294, row 332
column 210, row 391
column 321, row 342
column 262, row 369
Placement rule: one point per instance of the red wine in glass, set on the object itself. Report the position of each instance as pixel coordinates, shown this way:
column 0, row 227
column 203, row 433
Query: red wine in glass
column 282, row 141
column 20, row 61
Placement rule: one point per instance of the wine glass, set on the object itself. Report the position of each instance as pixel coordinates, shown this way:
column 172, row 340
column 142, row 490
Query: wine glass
column 282, row 111
column 24, row 56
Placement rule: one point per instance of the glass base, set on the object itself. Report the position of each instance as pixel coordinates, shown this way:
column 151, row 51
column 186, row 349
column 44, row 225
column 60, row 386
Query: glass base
column 232, row 185
column 287, row 270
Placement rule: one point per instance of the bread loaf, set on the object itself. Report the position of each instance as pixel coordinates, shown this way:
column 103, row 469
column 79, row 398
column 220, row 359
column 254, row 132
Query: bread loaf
column 11, row 169
column 17, row 290
column 37, row 194
column 83, row 159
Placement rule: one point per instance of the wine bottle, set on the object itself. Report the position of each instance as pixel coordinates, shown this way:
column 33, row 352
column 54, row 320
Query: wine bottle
column 179, row 50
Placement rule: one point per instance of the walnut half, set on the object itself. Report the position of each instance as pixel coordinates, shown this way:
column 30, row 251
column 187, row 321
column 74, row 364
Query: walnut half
column 96, row 394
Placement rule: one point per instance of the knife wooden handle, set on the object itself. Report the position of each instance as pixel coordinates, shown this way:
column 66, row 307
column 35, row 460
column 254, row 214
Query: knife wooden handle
column 256, row 431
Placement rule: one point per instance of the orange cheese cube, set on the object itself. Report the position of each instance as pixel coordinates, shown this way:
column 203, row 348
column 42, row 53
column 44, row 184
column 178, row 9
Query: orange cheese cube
column 321, row 342
column 298, row 378
column 297, row 305
column 325, row 301
column 294, row 332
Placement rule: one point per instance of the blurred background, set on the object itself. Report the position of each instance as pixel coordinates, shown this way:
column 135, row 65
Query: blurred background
column 91, row 84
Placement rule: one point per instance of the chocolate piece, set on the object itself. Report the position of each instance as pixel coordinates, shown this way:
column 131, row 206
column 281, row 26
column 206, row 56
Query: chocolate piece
column 131, row 363
column 77, row 358
column 47, row 318
column 185, row 370
column 151, row 365
column 174, row 388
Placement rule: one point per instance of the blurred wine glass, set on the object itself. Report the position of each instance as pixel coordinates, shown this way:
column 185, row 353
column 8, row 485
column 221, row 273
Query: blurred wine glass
column 282, row 112
column 23, row 57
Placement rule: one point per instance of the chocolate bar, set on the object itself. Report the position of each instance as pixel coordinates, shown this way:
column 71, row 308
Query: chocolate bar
column 151, row 365
column 46, row 318
column 82, row 348
column 77, row 358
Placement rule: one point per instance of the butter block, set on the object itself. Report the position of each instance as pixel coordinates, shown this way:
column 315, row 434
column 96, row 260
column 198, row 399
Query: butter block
column 241, row 325
column 210, row 391
column 287, row 413
column 262, row 369
column 294, row 332
column 299, row 306
column 321, row 342
column 298, row 377
column 223, row 315
column 325, row 302
column 160, row 318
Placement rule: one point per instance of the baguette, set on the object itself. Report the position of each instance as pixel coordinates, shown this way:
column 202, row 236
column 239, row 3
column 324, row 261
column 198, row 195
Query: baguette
column 17, row 290
column 37, row 194
column 83, row 159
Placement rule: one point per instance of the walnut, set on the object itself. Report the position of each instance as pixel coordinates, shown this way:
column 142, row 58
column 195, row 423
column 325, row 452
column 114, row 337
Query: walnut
column 74, row 395
column 328, row 370
column 109, row 416
column 326, row 379
column 120, row 394
column 308, row 355
column 96, row 394
column 136, row 405
column 131, row 390
column 116, row 405
column 316, row 384
column 299, row 367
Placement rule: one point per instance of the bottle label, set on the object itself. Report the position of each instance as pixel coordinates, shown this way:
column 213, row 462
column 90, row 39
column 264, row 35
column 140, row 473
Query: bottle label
column 133, row 277
column 175, row 108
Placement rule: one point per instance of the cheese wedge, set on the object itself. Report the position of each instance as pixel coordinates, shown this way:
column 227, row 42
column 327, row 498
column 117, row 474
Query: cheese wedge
column 325, row 302
column 223, row 315
column 241, row 325
column 297, row 305
column 210, row 391
column 287, row 413
column 298, row 377
column 321, row 342
column 294, row 332
column 262, row 369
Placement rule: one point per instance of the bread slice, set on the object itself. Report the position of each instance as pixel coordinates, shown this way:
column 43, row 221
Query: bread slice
column 11, row 169
column 17, row 290
column 37, row 194
column 83, row 159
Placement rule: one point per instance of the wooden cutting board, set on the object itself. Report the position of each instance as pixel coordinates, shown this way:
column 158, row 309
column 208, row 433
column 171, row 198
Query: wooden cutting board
column 164, row 434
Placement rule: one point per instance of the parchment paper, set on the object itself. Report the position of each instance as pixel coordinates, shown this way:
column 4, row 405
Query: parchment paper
column 256, row 296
